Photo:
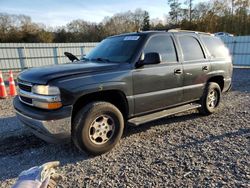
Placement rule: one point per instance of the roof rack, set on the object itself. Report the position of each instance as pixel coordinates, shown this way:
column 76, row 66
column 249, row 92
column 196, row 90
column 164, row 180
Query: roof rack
column 188, row 31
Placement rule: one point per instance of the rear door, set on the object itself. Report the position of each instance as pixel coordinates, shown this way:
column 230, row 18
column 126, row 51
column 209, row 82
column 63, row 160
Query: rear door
column 158, row 86
column 196, row 66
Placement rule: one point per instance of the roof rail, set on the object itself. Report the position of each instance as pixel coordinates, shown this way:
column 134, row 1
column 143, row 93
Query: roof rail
column 189, row 31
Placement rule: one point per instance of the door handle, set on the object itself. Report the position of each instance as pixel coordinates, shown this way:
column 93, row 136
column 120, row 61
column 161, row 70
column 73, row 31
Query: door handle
column 205, row 68
column 177, row 71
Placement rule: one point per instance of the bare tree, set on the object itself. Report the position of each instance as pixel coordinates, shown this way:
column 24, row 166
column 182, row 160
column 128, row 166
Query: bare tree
column 175, row 11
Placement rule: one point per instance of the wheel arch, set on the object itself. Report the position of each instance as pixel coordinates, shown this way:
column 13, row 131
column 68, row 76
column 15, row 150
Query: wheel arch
column 217, row 79
column 115, row 97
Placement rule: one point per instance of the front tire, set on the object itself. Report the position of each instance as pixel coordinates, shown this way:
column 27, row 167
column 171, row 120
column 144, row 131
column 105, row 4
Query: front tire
column 97, row 127
column 211, row 99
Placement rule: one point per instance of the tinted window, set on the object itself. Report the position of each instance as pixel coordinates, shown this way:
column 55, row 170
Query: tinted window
column 117, row 49
column 191, row 48
column 215, row 46
column 164, row 46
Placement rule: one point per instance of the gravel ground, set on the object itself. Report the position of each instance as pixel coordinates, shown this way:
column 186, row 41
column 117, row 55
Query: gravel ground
column 185, row 150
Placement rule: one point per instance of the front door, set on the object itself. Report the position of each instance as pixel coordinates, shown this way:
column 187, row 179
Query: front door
column 158, row 86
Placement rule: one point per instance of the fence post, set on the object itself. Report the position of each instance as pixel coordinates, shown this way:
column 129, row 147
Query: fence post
column 82, row 51
column 21, row 56
column 55, row 55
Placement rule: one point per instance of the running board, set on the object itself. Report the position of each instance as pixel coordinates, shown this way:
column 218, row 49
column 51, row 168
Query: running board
column 157, row 115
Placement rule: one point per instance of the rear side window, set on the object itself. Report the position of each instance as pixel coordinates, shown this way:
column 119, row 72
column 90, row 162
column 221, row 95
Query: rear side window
column 164, row 46
column 215, row 46
column 191, row 48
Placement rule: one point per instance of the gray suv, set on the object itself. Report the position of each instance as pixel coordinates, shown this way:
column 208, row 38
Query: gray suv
column 134, row 77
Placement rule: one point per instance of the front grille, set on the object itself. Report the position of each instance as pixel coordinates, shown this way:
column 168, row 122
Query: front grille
column 24, row 87
column 26, row 99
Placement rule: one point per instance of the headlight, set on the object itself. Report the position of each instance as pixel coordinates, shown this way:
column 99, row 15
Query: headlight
column 46, row 97
column 45, row 90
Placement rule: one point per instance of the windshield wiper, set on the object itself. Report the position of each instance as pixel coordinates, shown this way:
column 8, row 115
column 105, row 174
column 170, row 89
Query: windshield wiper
column 101, row 59
column 84, row 59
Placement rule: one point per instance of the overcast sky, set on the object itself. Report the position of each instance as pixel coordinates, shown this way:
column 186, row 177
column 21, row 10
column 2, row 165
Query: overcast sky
column 61, row 12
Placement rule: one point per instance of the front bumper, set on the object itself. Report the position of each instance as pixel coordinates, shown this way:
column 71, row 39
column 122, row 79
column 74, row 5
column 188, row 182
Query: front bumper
column 51, row 126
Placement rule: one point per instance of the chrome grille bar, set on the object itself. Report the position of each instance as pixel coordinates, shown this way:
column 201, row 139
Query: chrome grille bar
column 37, row 97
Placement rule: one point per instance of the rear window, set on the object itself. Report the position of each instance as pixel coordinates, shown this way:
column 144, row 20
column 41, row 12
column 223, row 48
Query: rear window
column 215, row 46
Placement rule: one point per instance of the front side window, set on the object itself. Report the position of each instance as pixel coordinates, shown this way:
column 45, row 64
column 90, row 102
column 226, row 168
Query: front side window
column 191, row 48
column 164, row 46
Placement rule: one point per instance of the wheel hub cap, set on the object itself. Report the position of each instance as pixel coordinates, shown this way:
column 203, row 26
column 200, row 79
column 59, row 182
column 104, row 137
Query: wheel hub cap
column 212, row 99
column 101, row 129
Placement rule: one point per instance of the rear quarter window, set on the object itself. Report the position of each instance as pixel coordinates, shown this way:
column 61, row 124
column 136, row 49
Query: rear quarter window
column 215, row 46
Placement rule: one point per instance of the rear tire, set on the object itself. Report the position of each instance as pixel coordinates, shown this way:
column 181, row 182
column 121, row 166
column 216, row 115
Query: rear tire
column 210, row 99
column 97, row 127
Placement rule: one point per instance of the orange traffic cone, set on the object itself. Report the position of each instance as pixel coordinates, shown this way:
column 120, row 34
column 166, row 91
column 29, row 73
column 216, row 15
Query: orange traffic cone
column 12, row 85
column 3, row 93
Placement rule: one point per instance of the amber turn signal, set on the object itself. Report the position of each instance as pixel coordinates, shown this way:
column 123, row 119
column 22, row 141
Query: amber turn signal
column 46, row 105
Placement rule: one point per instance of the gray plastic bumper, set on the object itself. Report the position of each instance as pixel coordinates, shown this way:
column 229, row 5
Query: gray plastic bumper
column 53, row 131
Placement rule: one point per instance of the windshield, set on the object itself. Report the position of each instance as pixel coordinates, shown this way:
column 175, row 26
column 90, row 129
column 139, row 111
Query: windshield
column 115, row 49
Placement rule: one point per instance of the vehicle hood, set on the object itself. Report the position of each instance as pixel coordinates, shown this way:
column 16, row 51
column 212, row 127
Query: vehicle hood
column 44, row 74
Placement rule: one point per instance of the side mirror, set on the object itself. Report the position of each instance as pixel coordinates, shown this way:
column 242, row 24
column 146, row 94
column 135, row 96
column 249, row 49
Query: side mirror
column 152, row 58
column 71, row 56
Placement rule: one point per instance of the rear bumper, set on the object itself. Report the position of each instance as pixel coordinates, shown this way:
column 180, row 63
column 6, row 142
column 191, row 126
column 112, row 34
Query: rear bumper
column 51, row 126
